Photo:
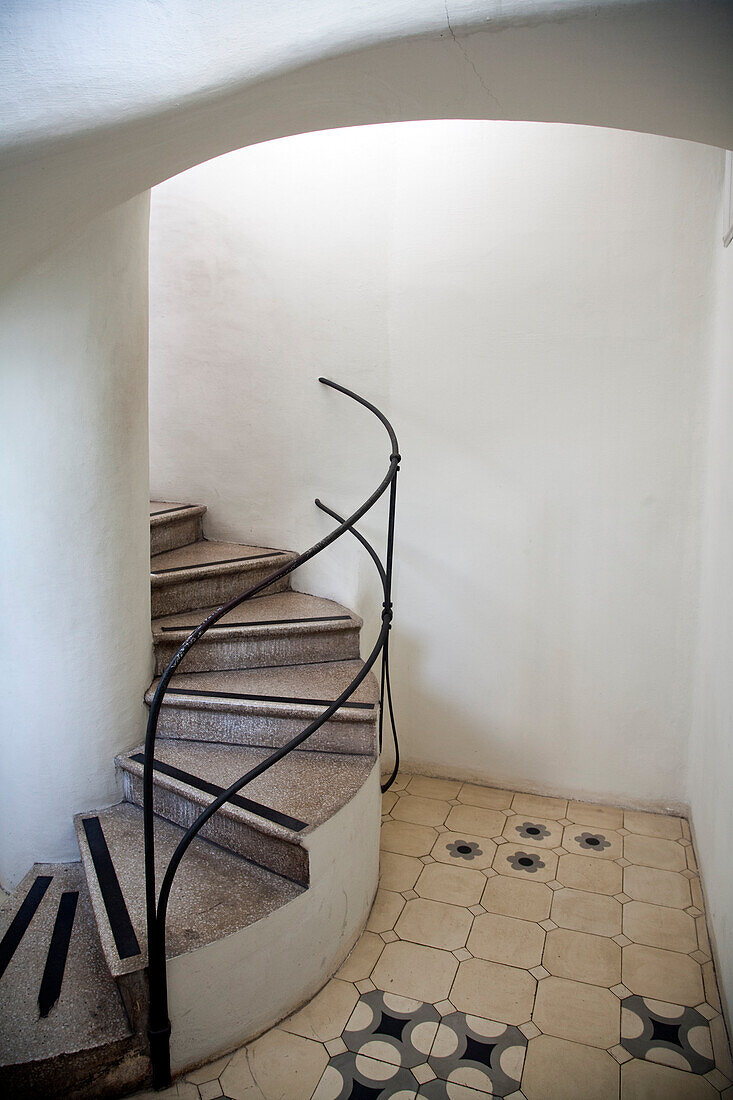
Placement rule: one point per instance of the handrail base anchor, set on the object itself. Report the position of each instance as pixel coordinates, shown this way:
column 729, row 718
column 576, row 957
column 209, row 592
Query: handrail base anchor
column 160, row 1056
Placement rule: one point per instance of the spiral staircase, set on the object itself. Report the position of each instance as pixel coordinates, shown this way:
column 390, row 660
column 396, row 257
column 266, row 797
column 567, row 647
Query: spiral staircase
column 271, row 894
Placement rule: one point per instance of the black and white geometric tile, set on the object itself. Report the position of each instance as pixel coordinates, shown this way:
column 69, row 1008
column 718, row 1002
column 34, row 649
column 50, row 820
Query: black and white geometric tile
column 666, row 1033
column 478, row 1054
column 396, row 1046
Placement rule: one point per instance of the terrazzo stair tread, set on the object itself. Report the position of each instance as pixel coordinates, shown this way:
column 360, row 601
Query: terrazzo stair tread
column 86, row 1024
column 173, row 525
column 267, row 821
column 211, row 573
column 215, row 892
column 268, row 706
column 282, row 629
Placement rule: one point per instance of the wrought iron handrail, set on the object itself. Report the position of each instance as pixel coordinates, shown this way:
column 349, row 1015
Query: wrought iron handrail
column 159, row 1027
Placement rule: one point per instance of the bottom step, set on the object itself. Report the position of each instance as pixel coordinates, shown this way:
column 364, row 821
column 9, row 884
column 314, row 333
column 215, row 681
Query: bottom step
column 62, row 1021
column 215, row 892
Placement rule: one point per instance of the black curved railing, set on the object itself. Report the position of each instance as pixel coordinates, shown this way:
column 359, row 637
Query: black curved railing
column 159, row 1028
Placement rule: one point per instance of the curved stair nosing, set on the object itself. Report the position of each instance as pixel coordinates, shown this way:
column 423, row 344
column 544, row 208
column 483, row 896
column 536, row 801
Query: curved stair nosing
column 231, row 647
column 213, row 584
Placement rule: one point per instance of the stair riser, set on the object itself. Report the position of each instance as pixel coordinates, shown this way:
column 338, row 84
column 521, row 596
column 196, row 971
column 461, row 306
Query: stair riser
column 289, row 860
column 210, row 591
column 230, row 728
column 217, row 652
column 172, row 535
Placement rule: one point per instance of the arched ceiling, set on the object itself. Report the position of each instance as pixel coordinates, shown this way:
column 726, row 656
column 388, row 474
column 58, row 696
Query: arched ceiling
column 102, row 100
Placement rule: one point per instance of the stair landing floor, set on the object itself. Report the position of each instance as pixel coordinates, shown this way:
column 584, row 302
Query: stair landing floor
column 519, row 946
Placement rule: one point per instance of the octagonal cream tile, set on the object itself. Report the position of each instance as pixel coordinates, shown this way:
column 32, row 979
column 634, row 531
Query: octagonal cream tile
column 386, row 909
column 475, row 819
column 647, row 1080
column 388, row 800
column 544, row 805
column 406, row 838
column 325, row 1016
column 582, row 957
column 514, row 897
column 425, row 787
column 413, row 970
column 523, row 829
column 456, row 885
column 284, row 1067
column 598, row 876
column 434, row 923
column 526, row 862
column 659, row 926
column 651, row 851
column 594, row 816
column 595, row 843
column 420, row 811
column 493, row 991
column 657, row 887
column 491, row 798
column 556, row 1069
column 506, row 940
column 398, row 872
column 448, row 849
column 659, row 825
column 583, row 911
column 662, row 975
column 579, row 1012
column 362, row 959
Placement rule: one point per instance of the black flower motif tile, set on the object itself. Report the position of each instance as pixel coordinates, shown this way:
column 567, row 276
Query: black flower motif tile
column 671, row 1034
column 594, row 842
column 530, row 862
column 352, row 1076
column 476, row 1054
column 532, row 830
column 391, row 1029
column 464, row 849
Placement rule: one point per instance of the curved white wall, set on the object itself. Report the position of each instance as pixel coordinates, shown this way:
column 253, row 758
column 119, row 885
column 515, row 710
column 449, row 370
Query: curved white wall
column 76, row 646
column 101, row 101
column 530, row 305
column 711, row 745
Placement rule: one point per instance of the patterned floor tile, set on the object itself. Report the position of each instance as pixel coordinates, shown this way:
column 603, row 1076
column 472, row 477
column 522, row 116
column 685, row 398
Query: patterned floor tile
column 478, row 1054
column 444, row 997
column 356, row 1077
column 670, row 1034
column 392, row 1029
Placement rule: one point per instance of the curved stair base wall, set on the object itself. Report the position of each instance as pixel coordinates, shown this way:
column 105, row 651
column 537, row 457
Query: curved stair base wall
column 286, row 958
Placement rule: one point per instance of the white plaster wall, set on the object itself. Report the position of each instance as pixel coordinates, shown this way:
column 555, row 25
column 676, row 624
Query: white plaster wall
column 76, row 646
column 711, row 744
column 529, row 303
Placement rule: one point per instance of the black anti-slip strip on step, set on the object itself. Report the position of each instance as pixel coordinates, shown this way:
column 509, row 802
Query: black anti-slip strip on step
column 167, row 511
column 21, row 920
column 265, row 622
column 278, row 818
column 264, row 698
column 221, row 561
column 58, row 949
column 119, row 918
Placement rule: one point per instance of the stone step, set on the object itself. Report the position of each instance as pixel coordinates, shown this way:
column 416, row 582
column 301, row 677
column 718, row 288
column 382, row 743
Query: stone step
column 173, row 525
column 208, row 574
column 268, row 820
column 268, row 706
column 215, row 893
column 287, row 628
column 62, row 1021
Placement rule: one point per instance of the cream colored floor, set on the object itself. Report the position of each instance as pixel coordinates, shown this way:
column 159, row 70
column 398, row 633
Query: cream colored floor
column 537, row 918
